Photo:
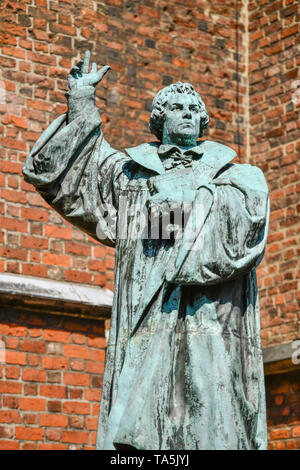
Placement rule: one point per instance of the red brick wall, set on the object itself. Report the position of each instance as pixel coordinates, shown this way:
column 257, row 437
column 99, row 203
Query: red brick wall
column 275, row 145
column 50, row 381
column 148, row 44
column 283, row 404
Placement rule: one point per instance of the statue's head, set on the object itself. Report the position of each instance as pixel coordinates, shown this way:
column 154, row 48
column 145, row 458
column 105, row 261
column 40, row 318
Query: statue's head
column 178, row 115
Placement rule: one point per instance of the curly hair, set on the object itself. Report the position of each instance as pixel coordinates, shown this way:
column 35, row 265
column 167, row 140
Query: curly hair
column 160, row 102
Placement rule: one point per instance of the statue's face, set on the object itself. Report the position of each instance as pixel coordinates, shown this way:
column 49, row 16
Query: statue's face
column 182, row 120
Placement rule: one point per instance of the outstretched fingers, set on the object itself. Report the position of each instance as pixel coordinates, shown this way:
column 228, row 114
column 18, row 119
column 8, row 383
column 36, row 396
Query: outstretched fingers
column 102, row 72
column 86, row 62
column 80, row 74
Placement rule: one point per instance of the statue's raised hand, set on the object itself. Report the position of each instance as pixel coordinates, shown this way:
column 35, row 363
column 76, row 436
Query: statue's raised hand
column 80, row 76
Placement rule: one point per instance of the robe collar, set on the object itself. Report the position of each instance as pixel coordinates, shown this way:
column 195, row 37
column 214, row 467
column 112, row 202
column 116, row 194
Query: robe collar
column 213, row 154
column 166, row 150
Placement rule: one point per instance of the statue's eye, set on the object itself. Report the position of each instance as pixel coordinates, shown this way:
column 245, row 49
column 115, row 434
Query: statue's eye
column 176, row 107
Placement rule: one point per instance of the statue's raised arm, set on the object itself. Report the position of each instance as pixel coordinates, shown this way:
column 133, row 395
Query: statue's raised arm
column 71, row 164
column 82, row 83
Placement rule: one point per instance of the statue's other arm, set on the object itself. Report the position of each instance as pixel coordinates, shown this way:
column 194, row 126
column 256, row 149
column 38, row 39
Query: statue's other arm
column 233, row 211
column 67, row 163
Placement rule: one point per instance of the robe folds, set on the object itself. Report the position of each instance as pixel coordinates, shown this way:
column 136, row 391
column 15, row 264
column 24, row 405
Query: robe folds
column 184, row 366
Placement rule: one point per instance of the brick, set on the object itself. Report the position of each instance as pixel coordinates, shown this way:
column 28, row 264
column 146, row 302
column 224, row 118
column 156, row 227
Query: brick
column 76, row 422
column 95, row 265
column 72, row 378
column 29, row 433
column 30, row 389
column 34, row 214
column 53, row 435
column 77, row 365
column 53, row 420
column 99, row 355
column 75, row 393
column 96, row 341
column 78, row 437
column 10, row 416
column 30, row 418
column 6, row 431
column 53, row 447
column 6, row 38
column 95, row 368
column 12, row 372
column 57, row 260
column 55, row 363
column 33, row 404
column 280, row 434
column 16, row 121
column 28, row 241
column 100, row 251
column 10, row 167
column 77, row 351
column 91, row 423
column 53, row 391
column 289, row 31
column 9, row 445
column 64, row 29
column 279, row 445
column 13, row 224
column 33, row 346
column 42, row 58
column 11, row 342
column 95, row 409
column 78, row 249
column 29, row 446
column 296, row 431
column 76, row 407
column 78, row 276
column 57, row 335
column 76, row 326
column 54, row 348
column 15, row 357
column 79, row 338
column 54, row 406
column 293, row 444
column 13, row 143
column 11, row 402
column 92, row 395
column 34, row 375
column 34, row 270
column 54, row 377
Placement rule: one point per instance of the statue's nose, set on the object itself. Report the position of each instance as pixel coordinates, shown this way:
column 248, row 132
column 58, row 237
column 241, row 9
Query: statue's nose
column 187, row 113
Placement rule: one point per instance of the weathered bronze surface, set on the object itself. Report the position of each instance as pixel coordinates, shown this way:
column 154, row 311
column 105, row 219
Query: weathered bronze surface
column 184, row 365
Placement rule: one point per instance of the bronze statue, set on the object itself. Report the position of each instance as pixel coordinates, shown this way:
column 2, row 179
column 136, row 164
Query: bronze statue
column 184, row 365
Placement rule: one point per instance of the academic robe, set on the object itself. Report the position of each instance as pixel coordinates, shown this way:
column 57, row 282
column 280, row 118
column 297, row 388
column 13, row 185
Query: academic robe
column 184, row 366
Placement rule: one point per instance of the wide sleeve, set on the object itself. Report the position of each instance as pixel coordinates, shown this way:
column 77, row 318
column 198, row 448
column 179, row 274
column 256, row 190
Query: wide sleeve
column 76, row 171
column 226, row 234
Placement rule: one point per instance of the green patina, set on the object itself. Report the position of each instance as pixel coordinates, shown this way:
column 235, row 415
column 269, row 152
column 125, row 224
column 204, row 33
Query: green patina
column 184, row 365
